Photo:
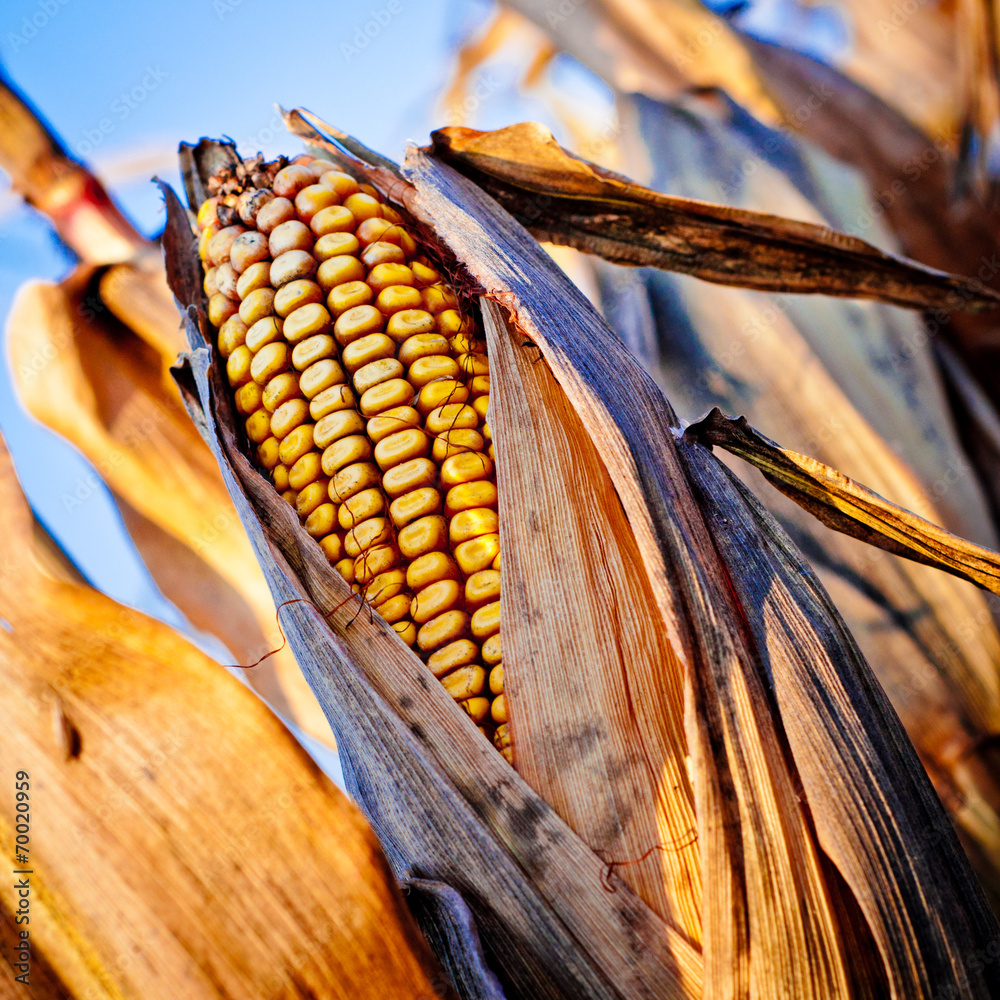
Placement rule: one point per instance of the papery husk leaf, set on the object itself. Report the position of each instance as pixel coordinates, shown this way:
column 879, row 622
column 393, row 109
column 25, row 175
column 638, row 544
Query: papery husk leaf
column 598, row 730
column 844, row 505
column 168, row 854
column 848, row 745
column 979, row 63
column 733, row 736
column 446, row 806
column 566, row 200
column 93, row 380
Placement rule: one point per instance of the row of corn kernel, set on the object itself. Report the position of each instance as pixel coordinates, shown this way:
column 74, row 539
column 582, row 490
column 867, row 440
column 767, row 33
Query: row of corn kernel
column 393, row 425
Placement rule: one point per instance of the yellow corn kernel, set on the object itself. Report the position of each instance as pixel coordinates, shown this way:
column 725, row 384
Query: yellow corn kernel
column 482, row 587
column 441, row 393
column 433, row 368
column 346, row 451
column 496, row 679
column 292, row 266
column 410, row 506
column 258, row 426
column 348, row 296
column 330, row 400
column 451, row 417
column 315, row 348
column 426, row 534
column 421, row 345
column 435, row 599
column 377, row 559
column 410, row 476
column 336, row 425
column 353, row 479
column 249, row 398
column 382, row 252
column 311, row 497
column 456, row 654
column 220, row 308
column 258, row 304
column 265, row 331
column 287, row 417
column 322, row 375
column 238, row 366
column 339, row 270
column 375, row 373
column 443, row 629
column 296, row 294
column 407, row 631
column 429, row 568
column 384, row 586
column 321, row 521
column 499, row 710
column 232, row 333
column 477, row 709
column 335, row 219
column 361, row 507
column 297, row 443
column 383, row 276
column 336, row 244
column 409, row 323
column 472, row 524
column 465, row 682
column 403, row 446
column 333, row 549
column 477, row 553
column 305, row 471
column 387, row 395
column 312, row 199
column 396, row 418
column 280, row 390
column 271, row 360
column 455, row 442
column 396, row 609
column 486, row 621
column 492, row 653
column 465, row 468
column 368, row 534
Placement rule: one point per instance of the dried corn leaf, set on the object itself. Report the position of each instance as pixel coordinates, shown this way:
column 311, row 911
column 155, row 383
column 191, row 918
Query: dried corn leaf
column 566, row 200
column 168, row 854
column 854, row 385
column 64, row 190
column 979, row 61
column 90, row 378
column 658, row 47
column 844, row 505
column 905, row 53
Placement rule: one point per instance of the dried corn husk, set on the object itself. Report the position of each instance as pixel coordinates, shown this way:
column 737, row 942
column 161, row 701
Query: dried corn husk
column 169, row 854
column 773, row 827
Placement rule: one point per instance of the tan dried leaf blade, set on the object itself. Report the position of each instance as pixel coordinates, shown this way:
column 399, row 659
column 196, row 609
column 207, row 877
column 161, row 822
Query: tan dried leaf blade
column 181, row 842
column 566, row 200
column 844, row 505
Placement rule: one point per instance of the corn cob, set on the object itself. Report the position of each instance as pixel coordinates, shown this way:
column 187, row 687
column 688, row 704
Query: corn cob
column 365, row 390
